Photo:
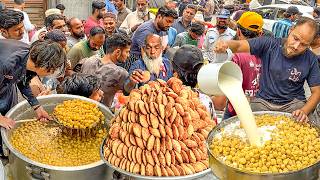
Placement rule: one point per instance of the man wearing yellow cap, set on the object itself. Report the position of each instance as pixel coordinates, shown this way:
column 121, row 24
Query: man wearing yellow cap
column 286, row 65
column 248, row 26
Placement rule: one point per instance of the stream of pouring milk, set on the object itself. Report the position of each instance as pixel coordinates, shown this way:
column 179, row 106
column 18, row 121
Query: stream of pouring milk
column 232, row 88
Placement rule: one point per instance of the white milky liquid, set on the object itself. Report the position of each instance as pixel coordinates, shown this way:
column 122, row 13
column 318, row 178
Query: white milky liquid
column 232, row 88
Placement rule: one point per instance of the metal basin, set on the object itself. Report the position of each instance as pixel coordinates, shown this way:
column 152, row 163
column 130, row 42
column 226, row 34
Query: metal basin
column 223, row 171
column 206, row 174
column 23, row 168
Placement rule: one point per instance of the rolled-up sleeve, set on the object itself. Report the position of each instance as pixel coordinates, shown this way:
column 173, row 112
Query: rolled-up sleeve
column 27, row 93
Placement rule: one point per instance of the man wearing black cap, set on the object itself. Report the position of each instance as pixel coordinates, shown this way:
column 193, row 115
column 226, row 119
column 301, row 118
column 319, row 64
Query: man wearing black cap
column 281, row 28
column 186, row 63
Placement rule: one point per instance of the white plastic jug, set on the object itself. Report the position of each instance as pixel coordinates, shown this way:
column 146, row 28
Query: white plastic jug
column 208, row 76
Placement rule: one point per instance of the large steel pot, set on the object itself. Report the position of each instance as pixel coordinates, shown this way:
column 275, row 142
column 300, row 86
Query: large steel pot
column 204, row 175
column 229, row 173
column 23, row 168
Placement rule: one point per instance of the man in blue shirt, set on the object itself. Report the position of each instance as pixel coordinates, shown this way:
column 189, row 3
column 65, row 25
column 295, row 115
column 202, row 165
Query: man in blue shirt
column 152, row 60
column 286, row 65
column 281, row 28
column 18, row 65
column 110, row 7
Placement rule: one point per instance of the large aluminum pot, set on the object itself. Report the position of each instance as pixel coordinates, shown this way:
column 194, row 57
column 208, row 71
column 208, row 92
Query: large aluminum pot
column 204, row 175
column 23, row 168
column 226, row 172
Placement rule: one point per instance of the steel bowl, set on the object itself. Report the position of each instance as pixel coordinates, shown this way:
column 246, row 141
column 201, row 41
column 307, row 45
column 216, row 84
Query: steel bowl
column 23, row 168
column 223, row 171
column 204, row 174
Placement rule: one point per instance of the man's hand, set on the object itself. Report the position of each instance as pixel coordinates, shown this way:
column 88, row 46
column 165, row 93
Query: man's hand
column 42, row 115
column 135, row 27
column 6, row 122
column 136, row 76
column 300, row 115
column 42, row 35
column 221, row 47
column 45, row 92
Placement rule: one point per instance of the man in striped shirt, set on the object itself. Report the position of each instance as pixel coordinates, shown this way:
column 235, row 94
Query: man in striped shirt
column 281, row 28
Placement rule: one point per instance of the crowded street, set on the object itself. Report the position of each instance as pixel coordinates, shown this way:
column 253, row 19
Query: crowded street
column 159, row 89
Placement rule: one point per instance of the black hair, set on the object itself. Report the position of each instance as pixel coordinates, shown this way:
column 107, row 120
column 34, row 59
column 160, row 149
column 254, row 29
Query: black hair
column 19, row 2
column 97, row 5
column 117, row 40
column 96, row 30
column 80, row 84
column 56, row 35
column 305, row 20
column 197, row 28
column 192, row 6
column 247, row 33
column 10, row 18
column 60, row 7
column 166, row 12
column 48, row 21
column 110, row 15
column 47, row 54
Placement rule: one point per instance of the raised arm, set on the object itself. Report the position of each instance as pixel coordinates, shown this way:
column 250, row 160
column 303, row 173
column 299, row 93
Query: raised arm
column 235, row 46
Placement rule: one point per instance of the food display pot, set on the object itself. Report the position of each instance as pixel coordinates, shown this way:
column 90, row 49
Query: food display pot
column 225, row 172
column 204, row 175
column 23, row 168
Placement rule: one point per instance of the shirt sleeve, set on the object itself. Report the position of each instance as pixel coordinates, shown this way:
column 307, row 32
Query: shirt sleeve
column 314, row 74
column 73, row 56
column 26, row 92
column 260, row 45
column 125, row 26
column 26, row 22
column 178, row 41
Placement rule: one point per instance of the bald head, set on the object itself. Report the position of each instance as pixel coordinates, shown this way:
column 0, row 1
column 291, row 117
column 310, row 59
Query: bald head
column 153, row 38
column 76, row 27
column 153, row 46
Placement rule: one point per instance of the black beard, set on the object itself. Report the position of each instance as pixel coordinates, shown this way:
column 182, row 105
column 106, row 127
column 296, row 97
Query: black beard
column 79, row 36
column 100, row 16
column 224, row 27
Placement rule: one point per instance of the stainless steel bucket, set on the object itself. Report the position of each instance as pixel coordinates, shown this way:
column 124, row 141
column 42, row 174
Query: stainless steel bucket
column 23, row 168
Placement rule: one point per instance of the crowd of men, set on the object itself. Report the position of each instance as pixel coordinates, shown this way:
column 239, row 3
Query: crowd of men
column 108, row 52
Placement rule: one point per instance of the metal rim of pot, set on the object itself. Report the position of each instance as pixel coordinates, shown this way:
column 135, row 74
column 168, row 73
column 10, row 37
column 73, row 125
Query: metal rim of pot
column 192, row 176
column 58, row 168
column 235, row 118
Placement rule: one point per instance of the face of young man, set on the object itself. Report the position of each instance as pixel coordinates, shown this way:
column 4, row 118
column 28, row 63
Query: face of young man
column 109, row 25
column 16, row 32
column 164, row 23
column 95, row 42
column 77, row 29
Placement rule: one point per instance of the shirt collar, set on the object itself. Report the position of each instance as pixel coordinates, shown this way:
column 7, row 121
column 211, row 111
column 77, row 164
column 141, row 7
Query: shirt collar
column 180, row 21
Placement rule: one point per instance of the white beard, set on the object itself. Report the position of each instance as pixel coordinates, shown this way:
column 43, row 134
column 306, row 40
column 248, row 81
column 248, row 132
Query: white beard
column 153, row 65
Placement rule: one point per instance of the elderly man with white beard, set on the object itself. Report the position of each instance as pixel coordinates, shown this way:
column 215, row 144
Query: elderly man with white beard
column 152, row 60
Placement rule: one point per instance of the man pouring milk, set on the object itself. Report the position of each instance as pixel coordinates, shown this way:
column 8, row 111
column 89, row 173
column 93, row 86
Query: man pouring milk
column 286, row 65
